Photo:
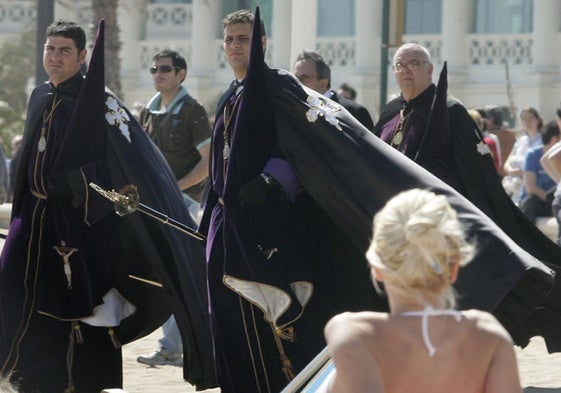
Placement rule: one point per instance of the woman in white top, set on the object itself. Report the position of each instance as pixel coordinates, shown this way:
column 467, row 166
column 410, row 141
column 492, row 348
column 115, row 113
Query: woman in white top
column 423, row 344
column 513, row 167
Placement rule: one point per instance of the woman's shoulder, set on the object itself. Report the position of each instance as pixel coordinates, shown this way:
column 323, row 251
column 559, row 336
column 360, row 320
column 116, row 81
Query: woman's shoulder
column 360, row 317
column 353, row 325
column 486, row 325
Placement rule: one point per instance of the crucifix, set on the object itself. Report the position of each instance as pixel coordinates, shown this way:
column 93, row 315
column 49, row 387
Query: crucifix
column 65, row 252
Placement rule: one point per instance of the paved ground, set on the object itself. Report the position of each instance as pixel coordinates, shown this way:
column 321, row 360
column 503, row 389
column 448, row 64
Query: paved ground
column 139, row 378
column 540, row 372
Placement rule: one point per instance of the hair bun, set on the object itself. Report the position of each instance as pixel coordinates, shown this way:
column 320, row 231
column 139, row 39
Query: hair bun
column 416, row 230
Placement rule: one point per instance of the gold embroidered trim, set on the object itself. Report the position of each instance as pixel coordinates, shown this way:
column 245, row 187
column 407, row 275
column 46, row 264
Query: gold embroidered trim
column 38, row 195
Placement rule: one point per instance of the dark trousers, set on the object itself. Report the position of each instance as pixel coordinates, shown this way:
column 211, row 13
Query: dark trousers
column 534, row 207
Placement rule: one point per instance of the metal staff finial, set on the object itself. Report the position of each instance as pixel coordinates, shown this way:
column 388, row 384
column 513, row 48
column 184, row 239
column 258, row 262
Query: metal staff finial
column 127, row 201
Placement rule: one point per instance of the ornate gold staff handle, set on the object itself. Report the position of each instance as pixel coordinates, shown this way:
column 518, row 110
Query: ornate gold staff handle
column 128, row 201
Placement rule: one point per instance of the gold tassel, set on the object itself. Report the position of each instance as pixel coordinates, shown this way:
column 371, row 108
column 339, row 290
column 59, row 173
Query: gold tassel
column 286, row 333
column 114, row 338
column 72, row 337
column 287, row 368
column 70, row 388
column 78, row 333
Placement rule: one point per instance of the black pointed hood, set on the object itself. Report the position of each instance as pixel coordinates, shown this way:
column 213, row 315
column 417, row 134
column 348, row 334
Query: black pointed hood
column 438, row 123
column 257, row 69
column 253, row 129
column 86, row 130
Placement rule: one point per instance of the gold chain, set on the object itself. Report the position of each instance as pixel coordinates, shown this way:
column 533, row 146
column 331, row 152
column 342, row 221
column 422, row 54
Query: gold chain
column 227, row 120
column 47, row 118
column 397, row 137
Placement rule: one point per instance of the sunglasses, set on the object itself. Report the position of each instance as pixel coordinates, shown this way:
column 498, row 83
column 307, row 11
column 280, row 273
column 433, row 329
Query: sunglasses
column 164, row 69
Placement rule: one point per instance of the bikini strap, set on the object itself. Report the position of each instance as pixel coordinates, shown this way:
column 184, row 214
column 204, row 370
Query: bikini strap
column 429, row 311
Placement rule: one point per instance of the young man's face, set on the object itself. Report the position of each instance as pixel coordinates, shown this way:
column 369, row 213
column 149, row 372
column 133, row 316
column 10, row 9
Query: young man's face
column 237, row 40
column 61, row 58
column 166, row 79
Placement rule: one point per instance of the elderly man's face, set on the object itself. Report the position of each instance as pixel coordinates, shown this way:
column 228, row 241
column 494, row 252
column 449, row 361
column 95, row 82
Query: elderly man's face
column 413, row 72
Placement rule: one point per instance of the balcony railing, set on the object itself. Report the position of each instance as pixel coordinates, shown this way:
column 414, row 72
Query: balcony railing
column 169, row 20
column 15, row 16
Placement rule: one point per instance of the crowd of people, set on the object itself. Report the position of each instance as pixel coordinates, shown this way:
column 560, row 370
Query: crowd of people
column 283, row 187
column 522, row 158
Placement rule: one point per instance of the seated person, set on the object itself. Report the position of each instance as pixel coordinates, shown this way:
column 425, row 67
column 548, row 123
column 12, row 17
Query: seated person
column 538, row 190
column 417, row 250
column 551, row 163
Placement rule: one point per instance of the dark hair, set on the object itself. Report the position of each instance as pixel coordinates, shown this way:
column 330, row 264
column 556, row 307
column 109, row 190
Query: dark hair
column 534, row 112
column 68, row 29
column 349, row 90
column 177, row 61
column 559, row 111
column 549, row 131
column 241, row 17
column 322, row 69
column 496, row 116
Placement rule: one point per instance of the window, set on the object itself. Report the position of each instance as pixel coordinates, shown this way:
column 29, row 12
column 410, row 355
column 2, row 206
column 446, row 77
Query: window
column 423, row 16
column 335, row 18
column 503, row 16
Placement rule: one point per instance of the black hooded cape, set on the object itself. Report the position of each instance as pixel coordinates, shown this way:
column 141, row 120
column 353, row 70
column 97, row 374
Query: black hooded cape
column 468, row 167
column 347, row 174
column 108, row 146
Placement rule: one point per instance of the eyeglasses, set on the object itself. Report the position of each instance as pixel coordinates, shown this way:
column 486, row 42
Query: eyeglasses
column 413, row 65
column 164, row 69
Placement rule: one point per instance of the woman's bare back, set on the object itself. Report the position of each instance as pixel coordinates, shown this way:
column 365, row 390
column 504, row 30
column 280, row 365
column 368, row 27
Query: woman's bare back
column 473, row 355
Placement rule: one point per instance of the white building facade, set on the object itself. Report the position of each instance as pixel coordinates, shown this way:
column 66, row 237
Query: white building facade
column 483, row 41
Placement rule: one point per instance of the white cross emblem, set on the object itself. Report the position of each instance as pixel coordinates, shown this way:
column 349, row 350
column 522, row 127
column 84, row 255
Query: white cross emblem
column 117, row 116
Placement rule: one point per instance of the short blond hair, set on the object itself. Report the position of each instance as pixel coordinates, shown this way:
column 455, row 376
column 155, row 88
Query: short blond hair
column 417, row 235
column 241, row 17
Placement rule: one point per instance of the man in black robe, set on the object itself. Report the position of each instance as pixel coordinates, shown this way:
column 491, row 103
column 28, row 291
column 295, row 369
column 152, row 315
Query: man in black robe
column 76, row 280
column 295, row 182
column 436, row 131
column 268, row 302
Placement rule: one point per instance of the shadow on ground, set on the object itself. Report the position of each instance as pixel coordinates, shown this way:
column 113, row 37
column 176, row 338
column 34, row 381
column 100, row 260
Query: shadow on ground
column 531, row 389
